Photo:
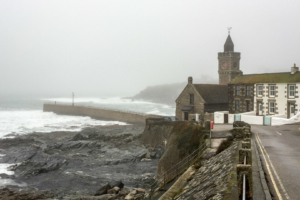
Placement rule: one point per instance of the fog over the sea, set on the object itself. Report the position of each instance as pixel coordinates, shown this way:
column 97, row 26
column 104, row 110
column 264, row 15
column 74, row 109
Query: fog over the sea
column 119, row 47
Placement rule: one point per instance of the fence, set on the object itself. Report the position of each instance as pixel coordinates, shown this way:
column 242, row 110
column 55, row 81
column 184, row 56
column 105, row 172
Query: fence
column 176, row 170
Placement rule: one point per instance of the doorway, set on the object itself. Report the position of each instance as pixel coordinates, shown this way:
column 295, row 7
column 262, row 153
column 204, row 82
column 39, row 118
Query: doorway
column 259, row 108
column 292, row 109
column 186, row 116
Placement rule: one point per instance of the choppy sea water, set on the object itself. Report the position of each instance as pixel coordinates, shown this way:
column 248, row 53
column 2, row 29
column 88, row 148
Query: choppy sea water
column 21, row 116
column 25, row 115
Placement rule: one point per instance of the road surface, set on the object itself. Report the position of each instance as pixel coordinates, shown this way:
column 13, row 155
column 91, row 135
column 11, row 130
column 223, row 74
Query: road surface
column 279, row 149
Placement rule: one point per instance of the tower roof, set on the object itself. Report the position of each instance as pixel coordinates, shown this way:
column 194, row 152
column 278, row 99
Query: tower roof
column 228, row 46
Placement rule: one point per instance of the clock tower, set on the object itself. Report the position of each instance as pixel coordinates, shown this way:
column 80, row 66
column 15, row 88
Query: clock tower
column 229, row 62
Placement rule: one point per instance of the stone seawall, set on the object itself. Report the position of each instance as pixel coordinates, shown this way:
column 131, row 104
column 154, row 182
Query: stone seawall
column 98, row 113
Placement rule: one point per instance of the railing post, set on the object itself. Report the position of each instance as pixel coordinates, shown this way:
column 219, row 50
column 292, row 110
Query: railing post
column 164, row 179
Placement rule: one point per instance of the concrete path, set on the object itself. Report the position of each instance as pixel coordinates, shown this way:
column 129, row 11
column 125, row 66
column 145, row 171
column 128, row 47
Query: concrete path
column 279, row 148
column 221, row 130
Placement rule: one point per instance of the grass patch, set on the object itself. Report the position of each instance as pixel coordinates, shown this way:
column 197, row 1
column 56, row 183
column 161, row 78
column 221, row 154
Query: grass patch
column 224, row 145
column 188, row 137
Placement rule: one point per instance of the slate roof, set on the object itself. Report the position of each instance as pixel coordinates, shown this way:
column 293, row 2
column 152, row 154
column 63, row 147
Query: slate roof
column 285, row 77
column 228, row 46
column 187, row 108
column 213, row 93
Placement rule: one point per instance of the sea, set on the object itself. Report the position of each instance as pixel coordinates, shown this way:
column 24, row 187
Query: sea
column 19, row 115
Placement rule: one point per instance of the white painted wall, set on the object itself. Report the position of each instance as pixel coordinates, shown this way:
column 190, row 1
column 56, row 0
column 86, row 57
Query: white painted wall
column 281, row 100
column 230, row 118
column 250, row 119
column 219, row 118
column 276, row 121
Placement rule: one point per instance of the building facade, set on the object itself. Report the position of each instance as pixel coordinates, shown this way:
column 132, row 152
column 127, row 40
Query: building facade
column 201, row 99
column 229, row 63
column 270, row 94
column 240, row 97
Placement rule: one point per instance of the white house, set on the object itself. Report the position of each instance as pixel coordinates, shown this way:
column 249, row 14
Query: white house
column 277, row 93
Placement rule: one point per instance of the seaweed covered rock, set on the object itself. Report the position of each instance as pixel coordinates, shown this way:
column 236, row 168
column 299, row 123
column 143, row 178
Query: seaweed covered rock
column 241, row 124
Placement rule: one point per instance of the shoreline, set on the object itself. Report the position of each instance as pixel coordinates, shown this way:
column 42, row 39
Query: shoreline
column 76, row 163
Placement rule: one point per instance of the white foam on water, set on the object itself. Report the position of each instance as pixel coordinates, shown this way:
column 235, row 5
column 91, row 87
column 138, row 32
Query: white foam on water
column 3, row 169
column 22, row 122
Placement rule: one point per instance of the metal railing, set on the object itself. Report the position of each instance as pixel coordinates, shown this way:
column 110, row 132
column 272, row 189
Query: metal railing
column 176, row 170
column 244, row 180
column 104, row 108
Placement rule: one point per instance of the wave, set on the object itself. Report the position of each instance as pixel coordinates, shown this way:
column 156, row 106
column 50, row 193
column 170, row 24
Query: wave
column 23, row 122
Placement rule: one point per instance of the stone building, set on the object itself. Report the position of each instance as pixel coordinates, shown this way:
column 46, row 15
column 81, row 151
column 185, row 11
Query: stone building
column 201, row 99
column 208, row 98
column 240, row 96
column 266, row 94
column 229, row 63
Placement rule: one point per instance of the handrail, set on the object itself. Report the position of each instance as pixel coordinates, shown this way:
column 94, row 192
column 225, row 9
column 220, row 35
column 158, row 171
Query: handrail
column 105, row 108
column 177, row 169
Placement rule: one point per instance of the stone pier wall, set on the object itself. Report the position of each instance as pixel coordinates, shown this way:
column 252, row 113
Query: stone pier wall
column 98, row 113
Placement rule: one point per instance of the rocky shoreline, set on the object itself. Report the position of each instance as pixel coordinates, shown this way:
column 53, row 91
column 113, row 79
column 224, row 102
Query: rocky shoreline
column 75, row 165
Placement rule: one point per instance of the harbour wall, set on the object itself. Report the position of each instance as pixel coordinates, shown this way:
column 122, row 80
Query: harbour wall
column 99, row 113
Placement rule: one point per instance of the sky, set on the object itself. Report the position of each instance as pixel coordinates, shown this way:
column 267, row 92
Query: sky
column 119, row 47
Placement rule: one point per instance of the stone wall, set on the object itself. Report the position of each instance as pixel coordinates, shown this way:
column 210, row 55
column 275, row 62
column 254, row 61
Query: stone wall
column 217, row 179
column 97, row 113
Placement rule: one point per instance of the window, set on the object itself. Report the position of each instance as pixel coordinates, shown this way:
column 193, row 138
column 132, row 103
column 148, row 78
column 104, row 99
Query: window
column 259, row 90
column 272, row 90
column 237, row 104
column 272, row 107
column 248, row 105
column 191, row 98
column 248, row 90
column 291, row 91
column 237, row 90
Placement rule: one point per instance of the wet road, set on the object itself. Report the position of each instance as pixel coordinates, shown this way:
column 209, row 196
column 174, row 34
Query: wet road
column 280, row 158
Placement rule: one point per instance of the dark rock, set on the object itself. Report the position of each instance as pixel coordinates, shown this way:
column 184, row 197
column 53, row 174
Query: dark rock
column 118, row 184
column 153, row 154
column 103, row 189
column 78, row 137
column 142, row 154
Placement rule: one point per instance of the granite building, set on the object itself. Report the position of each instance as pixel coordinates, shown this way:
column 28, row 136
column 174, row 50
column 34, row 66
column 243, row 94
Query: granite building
column 229, row 63
column 201, row 99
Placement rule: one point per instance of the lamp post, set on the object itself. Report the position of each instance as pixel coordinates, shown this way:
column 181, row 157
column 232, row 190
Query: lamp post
column 73, row 99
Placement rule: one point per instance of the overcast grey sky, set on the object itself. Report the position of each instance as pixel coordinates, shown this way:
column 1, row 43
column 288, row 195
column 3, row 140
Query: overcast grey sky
column 118, row 48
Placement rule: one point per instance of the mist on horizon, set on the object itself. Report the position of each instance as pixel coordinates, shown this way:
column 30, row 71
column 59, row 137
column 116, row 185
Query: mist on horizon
column 118, row 48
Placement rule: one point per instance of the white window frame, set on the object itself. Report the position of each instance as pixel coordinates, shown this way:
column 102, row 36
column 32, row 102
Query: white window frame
column 271, row 108
column 271, row 90
column 292, row 92
column 259, row 90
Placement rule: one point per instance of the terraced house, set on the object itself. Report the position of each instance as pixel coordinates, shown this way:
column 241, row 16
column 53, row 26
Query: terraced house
column 266, row 94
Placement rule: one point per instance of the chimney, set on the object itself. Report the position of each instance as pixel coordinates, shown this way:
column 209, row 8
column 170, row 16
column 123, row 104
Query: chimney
column 294, row 69
column 190, row 80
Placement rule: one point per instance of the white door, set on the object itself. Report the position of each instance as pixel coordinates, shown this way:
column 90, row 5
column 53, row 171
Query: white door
column 259, row 108
column 292, row 110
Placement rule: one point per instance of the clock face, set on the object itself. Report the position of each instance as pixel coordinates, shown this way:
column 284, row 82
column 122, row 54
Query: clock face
column 234, row 65
column 224, row 65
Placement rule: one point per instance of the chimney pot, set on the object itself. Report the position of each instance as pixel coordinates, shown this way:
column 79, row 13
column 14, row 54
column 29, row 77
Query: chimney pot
column 190, row 80
column 294, row 69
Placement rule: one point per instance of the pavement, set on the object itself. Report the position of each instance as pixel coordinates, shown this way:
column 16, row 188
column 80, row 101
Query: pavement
column 279, row 150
